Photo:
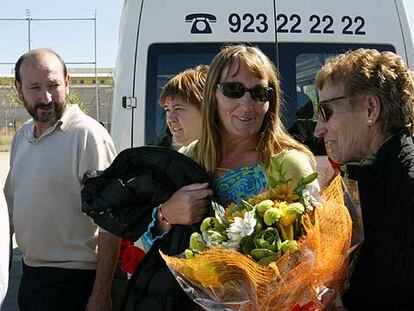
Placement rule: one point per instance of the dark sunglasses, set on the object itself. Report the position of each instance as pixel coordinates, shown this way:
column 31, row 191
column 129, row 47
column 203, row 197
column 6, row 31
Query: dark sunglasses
column 236, row 90
column 323, row 110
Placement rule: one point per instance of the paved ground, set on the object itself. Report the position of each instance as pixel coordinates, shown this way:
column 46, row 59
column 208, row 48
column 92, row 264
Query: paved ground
column 10, row 304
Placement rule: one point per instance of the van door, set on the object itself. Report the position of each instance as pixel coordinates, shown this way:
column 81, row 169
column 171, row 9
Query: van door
column 183, row 34
column 298, row 36
column 125, row 96
column 192, row 37
column 309, row 33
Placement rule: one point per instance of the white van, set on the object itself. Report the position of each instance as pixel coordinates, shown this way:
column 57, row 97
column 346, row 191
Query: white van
column 159, row 38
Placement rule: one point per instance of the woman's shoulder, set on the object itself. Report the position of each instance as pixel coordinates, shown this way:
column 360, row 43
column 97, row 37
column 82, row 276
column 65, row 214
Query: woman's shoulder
column 293, row 158
column 293, row 163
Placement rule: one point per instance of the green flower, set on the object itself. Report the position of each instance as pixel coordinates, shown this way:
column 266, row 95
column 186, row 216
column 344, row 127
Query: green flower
column 264, row 205
column 197, row 243
column 212, row 223
column 289, row 245
column 267, row 239
column 207, row 224
column 290, row 212
column 212, row 237
column 189, row 254
column 272, row 216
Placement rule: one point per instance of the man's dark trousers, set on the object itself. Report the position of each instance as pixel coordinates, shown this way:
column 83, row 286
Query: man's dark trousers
column 57, row 289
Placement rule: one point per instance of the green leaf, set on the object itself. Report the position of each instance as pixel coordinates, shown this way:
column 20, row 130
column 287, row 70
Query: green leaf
column 267, row 238
column 289, row 246
column 189, row 254
column 259, row 253
column 267, row 260
column 247, row 244
column 197, row 243
column 303, row 181
column 247, row 205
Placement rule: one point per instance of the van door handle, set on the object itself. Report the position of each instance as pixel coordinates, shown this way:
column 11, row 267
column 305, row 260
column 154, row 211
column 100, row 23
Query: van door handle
column 129, row 102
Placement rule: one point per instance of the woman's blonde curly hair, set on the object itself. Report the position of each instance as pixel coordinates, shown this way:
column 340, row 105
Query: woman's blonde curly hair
column 370, row 72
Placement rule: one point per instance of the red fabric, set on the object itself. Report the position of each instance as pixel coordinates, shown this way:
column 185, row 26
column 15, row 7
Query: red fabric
column 310, row 306
column 124, row 246
column 334, row 165
column 131, row 258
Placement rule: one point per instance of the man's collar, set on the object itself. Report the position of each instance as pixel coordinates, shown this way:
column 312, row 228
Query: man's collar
column 64, row 123
column 32, row 130
column 67, row 117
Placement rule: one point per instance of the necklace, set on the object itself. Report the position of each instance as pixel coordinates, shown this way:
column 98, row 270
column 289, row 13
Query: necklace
column 222, row 169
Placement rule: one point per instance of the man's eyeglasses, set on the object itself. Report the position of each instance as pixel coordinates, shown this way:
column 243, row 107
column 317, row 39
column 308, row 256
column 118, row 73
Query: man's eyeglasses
column 236, row 90
column 323, row 110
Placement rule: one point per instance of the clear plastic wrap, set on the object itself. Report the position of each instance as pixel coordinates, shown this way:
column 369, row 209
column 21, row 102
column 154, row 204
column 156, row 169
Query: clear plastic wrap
column 308, row 277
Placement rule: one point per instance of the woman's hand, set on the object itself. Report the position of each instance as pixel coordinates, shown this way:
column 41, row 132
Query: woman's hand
column 188, row 205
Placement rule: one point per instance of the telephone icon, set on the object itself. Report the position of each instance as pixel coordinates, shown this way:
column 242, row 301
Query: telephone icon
column 201, row 22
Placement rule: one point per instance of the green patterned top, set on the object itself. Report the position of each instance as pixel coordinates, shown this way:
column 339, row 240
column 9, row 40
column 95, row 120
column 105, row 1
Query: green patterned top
column 243, row 182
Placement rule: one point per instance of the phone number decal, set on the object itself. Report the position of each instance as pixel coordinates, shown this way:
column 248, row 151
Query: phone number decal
column 294, row 23
column 320, row 24
column 248, row 22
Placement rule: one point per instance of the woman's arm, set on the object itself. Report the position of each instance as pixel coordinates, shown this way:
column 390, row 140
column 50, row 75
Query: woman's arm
column 187, row 206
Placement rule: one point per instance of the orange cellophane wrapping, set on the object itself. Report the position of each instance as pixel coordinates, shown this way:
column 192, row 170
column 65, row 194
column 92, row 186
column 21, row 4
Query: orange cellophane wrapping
column 239, row 283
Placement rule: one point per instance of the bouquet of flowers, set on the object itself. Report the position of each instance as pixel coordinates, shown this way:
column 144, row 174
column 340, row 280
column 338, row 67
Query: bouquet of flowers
column 274, row 251
column 263, row 227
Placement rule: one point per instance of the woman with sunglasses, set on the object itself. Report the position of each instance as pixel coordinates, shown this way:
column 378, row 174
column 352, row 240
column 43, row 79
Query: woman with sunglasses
column 366, row 118
column 241, row 135
column 241, row 128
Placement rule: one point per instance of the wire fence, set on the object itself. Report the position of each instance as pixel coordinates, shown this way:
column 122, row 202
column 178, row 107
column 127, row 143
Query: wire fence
column 13, row 113
column 61, row 35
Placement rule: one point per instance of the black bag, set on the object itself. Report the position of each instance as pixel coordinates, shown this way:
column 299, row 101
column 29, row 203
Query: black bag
column 121, row 198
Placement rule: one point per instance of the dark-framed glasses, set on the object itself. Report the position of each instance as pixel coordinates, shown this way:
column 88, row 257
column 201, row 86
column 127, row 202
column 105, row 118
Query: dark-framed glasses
column 324, row 112
column 236, row 90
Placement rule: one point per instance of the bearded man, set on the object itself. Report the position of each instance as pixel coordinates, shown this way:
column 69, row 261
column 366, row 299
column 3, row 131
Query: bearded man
column 68, row 263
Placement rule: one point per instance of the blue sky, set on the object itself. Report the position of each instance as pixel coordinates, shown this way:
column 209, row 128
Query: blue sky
column 74, row 40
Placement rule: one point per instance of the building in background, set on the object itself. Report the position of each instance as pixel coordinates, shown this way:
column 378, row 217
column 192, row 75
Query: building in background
column 83, row 91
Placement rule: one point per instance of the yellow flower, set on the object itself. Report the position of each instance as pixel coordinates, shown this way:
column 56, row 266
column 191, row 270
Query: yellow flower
column 267, row 195
column 232, row 212
column 284, row 192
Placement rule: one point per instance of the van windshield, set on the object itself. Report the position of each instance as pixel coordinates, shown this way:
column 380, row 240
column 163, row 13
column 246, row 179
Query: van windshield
column 298, row 65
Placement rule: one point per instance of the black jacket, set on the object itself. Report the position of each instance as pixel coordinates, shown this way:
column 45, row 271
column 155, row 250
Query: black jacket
column 383, row 278
column 121, row 200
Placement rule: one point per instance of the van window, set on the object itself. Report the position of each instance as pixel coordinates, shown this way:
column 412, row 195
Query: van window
column 298, row 65
column 165, row 61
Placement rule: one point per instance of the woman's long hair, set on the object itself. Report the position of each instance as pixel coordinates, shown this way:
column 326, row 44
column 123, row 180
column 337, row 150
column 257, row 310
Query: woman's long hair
column 272, row 137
